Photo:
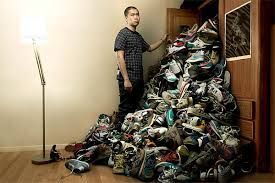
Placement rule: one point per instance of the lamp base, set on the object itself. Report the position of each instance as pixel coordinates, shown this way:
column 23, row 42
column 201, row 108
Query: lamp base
column 40, row 160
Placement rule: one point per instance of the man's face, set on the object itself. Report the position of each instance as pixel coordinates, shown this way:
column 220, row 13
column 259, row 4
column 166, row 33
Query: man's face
column 132, row 18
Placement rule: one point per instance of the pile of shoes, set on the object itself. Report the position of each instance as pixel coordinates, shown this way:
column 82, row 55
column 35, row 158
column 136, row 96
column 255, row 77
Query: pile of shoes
column 186, row 130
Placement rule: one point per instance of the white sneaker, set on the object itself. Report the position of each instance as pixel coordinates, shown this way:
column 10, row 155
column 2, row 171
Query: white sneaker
column 170, row 76
column 196, row 57
column 175, row 67
column 215, row 92
column 197, row 44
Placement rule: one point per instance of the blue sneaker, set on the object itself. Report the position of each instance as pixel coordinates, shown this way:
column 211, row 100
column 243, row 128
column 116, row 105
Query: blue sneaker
column 170, row 117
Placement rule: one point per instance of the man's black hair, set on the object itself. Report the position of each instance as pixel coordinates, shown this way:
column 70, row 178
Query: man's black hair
column 126, row 11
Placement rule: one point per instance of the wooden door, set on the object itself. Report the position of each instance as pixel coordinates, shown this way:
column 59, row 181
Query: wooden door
column 249, row 78
column 177, row 18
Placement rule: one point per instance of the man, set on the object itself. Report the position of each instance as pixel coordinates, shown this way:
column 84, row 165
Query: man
column 129, row 46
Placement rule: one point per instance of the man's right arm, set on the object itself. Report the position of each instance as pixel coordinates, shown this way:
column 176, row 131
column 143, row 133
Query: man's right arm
column 123, row 70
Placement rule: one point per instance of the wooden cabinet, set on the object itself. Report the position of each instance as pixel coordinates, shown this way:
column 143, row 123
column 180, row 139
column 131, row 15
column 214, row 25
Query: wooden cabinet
column 249, row 77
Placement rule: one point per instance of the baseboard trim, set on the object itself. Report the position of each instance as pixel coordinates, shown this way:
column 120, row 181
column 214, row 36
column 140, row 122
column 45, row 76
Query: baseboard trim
column 30, row 148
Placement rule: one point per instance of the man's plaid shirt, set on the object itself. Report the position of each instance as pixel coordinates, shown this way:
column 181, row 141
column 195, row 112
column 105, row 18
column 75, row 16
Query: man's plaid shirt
column 133, row 45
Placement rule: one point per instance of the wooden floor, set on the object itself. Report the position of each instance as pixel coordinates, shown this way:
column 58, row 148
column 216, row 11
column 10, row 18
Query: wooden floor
column 16, row 167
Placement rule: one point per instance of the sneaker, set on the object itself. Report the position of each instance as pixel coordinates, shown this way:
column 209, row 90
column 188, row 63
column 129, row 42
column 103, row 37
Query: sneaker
column 175, row 67
column 197, row 45
column 207, row 158
column 191, row 159
column 204, row 140
column 172, row 49
column 103, row 118
column 169, row 156
column 197, row 111
column 226, row 80
column 188, row 34
column 77, row 166
column 147, row 167
column 196, row 57
column 225, row 151
column 166, row 165
column 74, row 147
column 214, row 91
column 215, row 128
column 170, row 117
column 207, row 25
column 170, row 76
column 173, row 136
column 87, row 155
column 224, row 118
column 225, row 173
column 54, row 154
column 168, row 97
column 210, row 175
column 119, row 164
column 137, row 160
column 183, row 152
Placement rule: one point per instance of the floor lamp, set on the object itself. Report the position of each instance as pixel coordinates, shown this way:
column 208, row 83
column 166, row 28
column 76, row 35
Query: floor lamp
column 34, row 28
column 44, row 158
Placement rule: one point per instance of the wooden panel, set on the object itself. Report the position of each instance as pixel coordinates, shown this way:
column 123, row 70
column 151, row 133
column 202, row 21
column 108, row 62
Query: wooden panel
column 177, row 18
column 242, row 78
column 247, row 129
column 250, row 76
column 246, row 109
column 272, row 100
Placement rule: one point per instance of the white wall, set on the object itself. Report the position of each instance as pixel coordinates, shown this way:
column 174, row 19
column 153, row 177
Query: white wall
column 78, row 61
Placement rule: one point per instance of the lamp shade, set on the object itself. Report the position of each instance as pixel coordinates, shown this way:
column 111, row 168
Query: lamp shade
column 33, row 28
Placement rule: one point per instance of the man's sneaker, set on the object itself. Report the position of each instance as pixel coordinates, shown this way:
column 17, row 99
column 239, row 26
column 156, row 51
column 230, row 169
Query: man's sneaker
column 197, row 45
column 196, row 57
column 77, row 166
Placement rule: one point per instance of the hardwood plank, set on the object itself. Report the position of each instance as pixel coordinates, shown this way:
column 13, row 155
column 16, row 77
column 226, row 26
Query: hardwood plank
column 20, row 170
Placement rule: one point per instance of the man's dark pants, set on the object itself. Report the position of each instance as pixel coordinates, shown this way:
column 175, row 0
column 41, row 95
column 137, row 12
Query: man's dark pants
column 129, row 101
